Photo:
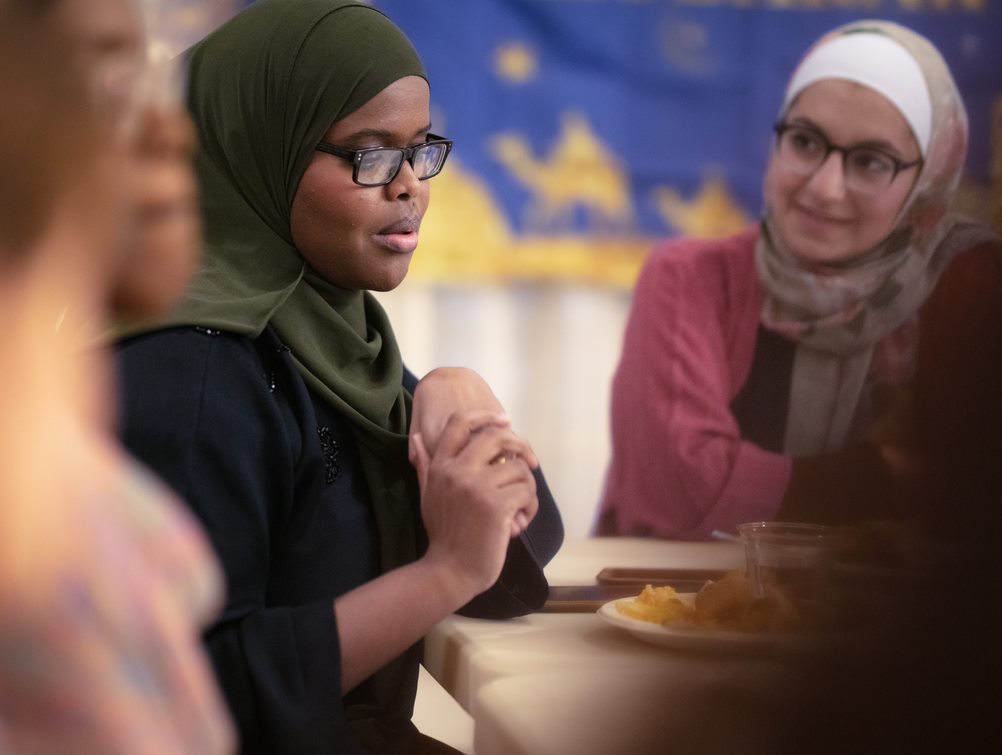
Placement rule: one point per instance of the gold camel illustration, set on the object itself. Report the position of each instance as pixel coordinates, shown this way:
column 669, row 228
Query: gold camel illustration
column 711, row 213
column 578, row 172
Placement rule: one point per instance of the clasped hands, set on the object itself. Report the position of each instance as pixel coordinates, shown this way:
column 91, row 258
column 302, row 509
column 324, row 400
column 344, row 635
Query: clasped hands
column 475, row 473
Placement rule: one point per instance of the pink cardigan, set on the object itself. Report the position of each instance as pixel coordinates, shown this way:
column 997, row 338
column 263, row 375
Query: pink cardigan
column 679, row 468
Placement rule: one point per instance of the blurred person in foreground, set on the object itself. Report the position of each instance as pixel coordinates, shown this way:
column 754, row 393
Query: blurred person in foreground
column 841, row 361
column 105, row 580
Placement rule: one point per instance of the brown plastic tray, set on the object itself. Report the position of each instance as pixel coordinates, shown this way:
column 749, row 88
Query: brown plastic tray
column 683, row 580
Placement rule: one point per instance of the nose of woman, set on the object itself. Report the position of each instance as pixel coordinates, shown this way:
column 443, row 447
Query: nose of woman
column 405, row 184
column 828, row 181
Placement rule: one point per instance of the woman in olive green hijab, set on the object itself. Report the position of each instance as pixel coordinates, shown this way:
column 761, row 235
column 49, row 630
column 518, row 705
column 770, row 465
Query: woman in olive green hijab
column 276, row 401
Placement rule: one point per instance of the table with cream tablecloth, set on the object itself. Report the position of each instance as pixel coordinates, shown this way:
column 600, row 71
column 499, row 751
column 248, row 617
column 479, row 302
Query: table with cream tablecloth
column 571, row 683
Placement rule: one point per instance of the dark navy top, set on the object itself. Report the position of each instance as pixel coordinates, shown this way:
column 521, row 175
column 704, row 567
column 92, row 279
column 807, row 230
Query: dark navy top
column 273, row 473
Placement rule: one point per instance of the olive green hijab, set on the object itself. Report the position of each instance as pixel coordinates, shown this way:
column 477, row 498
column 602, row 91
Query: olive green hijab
column 264, row 89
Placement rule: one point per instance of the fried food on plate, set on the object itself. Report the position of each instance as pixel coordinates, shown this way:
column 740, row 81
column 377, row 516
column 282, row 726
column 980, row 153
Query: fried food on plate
column 726, row 603
column 658, row 605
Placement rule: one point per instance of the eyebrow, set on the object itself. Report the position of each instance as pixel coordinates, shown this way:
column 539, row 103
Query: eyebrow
column 878, row 144
column 377, row 134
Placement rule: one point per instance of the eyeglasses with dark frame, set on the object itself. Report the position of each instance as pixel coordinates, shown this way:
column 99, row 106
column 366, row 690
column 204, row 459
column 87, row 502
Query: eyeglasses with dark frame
column 378, row 166
column 867, row 170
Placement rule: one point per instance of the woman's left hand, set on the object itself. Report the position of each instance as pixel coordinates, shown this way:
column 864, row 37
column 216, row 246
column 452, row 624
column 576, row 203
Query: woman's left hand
column 446, row 391
column 450, row 391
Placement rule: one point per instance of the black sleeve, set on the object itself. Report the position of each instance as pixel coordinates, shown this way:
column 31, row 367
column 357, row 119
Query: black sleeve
column 198, row 408
column 522, row 588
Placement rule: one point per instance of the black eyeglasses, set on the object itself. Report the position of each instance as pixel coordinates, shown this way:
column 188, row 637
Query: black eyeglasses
column 867, row 170
column 378, row 166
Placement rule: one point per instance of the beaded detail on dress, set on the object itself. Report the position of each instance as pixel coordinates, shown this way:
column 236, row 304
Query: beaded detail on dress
column 329, row 448
column 272, row 380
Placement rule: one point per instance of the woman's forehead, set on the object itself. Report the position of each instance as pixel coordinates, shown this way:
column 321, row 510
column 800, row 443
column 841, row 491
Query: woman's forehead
column 853, row 112
column 872, row 55
column 400, row 111
column 102, row 25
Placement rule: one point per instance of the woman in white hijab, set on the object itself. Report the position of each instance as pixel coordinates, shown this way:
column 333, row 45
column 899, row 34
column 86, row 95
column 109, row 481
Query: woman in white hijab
column 839, row 361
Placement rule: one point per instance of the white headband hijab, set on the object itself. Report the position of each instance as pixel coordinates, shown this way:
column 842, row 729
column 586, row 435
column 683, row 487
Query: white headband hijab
column 876, row 61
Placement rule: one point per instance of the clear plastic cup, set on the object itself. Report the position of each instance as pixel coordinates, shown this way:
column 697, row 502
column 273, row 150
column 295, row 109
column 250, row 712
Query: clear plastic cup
column 792, row 557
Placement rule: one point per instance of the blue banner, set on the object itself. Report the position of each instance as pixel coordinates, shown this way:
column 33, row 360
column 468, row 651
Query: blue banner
column 585, row 129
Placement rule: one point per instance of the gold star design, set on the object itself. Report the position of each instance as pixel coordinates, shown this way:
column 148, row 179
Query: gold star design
column 515, row 63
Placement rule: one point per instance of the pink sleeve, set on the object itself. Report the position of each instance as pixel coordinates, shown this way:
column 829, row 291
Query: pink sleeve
column 679, row 467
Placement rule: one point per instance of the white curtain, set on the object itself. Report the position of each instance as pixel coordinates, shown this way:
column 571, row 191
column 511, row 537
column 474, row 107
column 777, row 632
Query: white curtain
column 548, row 350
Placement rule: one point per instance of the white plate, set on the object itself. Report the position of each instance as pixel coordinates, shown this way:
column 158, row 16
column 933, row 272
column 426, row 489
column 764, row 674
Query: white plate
column 700, row 638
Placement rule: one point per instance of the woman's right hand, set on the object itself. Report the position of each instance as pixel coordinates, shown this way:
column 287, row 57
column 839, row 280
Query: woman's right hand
column 477, row 492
